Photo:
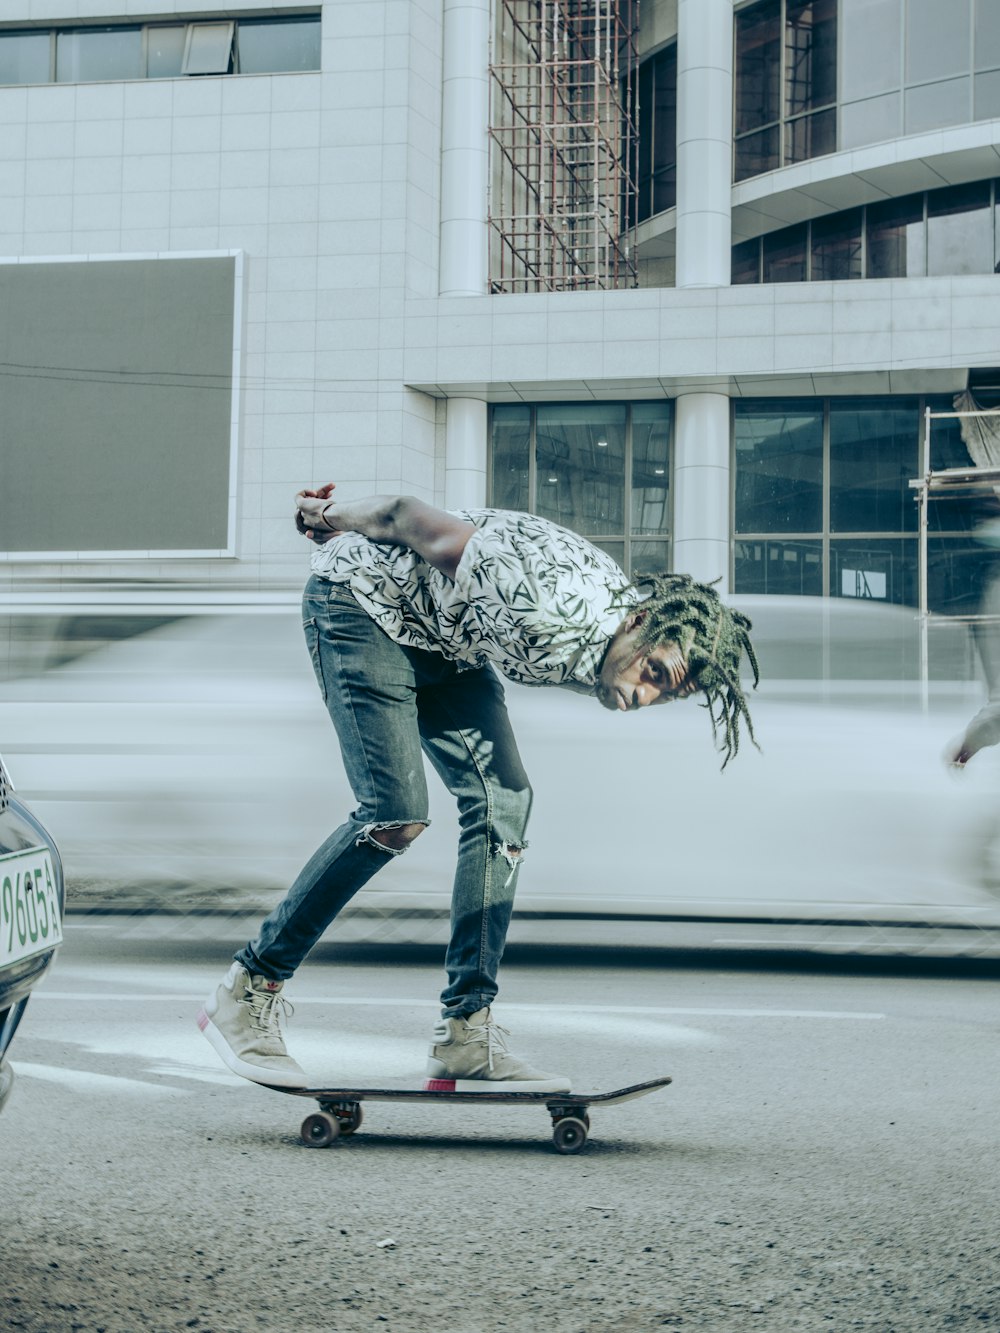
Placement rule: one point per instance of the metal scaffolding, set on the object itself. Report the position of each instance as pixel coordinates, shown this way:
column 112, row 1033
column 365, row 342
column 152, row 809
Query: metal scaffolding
column 564, row 192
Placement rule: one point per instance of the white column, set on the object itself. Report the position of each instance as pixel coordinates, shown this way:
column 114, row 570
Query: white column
column 704, row 142
column 465, row 454
column 701, row 487
column 704, row 243
column 465, row 148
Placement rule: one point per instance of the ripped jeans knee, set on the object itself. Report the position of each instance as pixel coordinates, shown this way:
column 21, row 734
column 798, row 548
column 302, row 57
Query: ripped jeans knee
column 392, row 836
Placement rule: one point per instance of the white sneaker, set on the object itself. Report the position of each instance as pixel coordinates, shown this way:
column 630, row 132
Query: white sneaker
column 470, row 1055
column 243, row 1019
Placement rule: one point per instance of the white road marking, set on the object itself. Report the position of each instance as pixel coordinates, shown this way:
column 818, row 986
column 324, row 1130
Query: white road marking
column 81, row 1080
column 505, row 1006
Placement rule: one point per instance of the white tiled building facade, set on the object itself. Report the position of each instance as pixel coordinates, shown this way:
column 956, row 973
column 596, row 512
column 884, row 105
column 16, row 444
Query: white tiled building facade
column 352, row 202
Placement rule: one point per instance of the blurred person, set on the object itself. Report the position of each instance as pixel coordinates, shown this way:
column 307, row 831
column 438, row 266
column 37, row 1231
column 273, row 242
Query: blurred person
column 409, row 614
column 983, row 730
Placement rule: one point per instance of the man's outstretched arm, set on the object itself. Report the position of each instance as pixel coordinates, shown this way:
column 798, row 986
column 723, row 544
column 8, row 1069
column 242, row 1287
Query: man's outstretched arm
column 401, row 520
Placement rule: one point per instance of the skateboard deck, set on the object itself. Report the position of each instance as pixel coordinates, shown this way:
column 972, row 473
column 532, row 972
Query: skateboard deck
column 339, row 1113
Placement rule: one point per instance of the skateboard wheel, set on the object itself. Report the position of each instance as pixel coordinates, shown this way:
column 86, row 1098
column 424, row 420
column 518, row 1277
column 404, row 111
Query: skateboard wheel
column 319, row 1130
column 350, row 1120
column 569, row 1134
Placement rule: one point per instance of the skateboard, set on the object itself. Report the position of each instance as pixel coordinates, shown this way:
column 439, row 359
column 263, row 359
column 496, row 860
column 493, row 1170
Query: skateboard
column 339, row 1113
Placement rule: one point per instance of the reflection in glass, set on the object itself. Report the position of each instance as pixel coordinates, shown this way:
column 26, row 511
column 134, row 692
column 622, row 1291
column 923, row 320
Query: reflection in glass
column 616, row 550
column 650, row 558
column 651, row 467
column 836, row 247
column 810, row 55
column 896, row 238
column 876, row 569
column 746, row 262
column 757, row 153
column 959, row 230
column 580, row 458
column 758, row 66
column 165, row 52
column 511, row 450
column 958, row 571
column 270, row 45
column 811, row 136
column 24, row 57
column 874, row 452
column 792, row 568
column 785, row 255
column 94, row 55
column 658, row 133
column 779, row 466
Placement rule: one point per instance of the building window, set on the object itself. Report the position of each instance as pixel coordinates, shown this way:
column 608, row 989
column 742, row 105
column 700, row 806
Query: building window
column 823, row 506
column 785, row 101
column 601, row 469
column 104, row 53
column 657, row 121
column 944, row 232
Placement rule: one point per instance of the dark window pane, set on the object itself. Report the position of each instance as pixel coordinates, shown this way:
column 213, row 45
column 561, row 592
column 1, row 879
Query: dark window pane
column 645, row 145
column 580, row 452
column 873, row 456
column 785, row 255
column 811, row 136
column 651, row 424
column 511, row 447
column 24, row 57
column 758, row 66
column 270, row 45
column 98, row 54
column 758, row 153
column 810, row 55
column 959, row 230
column 665, row 189
column 650, row 558
column 958, row 570
column 896, row 238
column 165, row 51
column 792, row 568
column 779, row 467
column 746, row 262
column 875, row 570
column 836, row 247
column 616, row 550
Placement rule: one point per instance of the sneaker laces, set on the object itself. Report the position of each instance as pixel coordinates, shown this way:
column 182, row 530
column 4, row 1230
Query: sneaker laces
column 495, row 1038
column 267, row 1009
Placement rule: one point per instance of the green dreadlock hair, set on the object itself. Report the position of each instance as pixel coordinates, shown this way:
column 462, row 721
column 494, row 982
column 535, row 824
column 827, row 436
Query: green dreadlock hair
column 712, row 637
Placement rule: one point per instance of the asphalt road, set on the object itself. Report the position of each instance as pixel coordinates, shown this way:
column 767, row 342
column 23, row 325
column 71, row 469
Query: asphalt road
column 825, row 1159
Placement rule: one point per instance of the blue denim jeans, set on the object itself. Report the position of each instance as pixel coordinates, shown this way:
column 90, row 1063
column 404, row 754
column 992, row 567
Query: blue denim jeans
column 389, row 703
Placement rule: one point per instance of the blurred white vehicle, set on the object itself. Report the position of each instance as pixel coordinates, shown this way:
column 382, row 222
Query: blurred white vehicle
column 194, row 760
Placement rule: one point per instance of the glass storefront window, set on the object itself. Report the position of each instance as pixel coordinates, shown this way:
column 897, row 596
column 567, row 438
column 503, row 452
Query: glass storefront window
column 959, row 230
column 25, row 57
column 779, row 466
column 650, row 468
column 746, row 263
column 874, row 451
column 874, row 569
column 511, row 451
column 835, row 247
column 580, row 455
column 896, row 238
column 601, row 469
column 94, row 55
column 792, row 568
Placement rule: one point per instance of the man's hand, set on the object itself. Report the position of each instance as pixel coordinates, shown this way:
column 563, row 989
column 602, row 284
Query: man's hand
column 309, row 513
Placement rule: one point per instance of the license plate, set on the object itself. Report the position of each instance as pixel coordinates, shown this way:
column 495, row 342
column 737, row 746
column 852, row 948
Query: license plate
column 29, row 905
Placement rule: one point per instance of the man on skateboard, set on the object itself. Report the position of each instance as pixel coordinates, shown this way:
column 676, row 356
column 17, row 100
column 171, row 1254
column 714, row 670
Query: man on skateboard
column 409, row 615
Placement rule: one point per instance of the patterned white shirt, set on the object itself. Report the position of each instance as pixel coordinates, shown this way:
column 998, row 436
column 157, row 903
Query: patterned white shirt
column 538, row 602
